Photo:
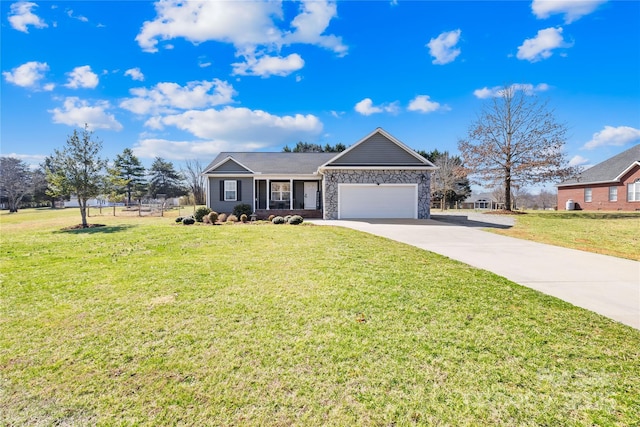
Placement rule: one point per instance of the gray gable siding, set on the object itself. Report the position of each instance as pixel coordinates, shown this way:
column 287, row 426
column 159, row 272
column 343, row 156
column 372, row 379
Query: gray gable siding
column 221, row 206
column 378, row 150
column 230, row 167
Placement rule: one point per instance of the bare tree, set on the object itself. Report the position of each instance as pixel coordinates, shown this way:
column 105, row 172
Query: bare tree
column 515, row 139
column 446, row 179
column 193, row 174
column 78, row 169
column 15, row 181
column 546, row 199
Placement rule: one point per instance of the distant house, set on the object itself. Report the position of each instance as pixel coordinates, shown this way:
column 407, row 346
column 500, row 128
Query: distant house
column 377, row 177
column 611, row 185
column 482, row 201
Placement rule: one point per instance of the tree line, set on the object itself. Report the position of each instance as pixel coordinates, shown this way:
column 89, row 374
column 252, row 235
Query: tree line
column 78, row 169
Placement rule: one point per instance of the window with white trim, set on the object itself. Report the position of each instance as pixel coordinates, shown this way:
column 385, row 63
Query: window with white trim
column 633, row 191
column 230, row 190
column 587, row 194
column 613, row 194
column 280, row 191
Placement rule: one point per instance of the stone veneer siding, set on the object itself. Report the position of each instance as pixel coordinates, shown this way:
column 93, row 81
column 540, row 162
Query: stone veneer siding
column 372, row 176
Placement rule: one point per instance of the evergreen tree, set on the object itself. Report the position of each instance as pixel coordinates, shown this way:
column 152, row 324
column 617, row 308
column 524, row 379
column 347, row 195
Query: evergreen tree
column 165, row 179
column 127, row 176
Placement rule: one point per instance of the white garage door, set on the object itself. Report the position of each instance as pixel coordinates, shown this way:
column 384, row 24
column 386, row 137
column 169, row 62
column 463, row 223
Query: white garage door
column 377, row 201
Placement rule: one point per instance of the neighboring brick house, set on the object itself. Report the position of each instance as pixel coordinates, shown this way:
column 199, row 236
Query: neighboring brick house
column 377, row 177
column 611, row 185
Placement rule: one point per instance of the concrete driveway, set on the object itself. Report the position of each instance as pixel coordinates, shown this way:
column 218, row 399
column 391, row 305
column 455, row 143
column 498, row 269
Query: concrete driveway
column 606, row 285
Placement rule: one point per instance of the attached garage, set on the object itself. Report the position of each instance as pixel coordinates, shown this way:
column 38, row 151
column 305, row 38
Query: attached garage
column 377, row 201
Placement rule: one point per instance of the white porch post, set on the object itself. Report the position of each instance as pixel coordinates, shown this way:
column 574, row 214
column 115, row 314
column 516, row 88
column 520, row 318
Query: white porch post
column 268, row 194
column 290, row 194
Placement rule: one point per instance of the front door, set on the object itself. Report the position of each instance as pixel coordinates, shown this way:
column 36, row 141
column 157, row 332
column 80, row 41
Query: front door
column 310, row 190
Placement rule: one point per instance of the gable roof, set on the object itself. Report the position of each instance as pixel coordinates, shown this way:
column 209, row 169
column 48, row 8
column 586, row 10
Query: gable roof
column 611, row 170
column 270, row 163
column 379, row 148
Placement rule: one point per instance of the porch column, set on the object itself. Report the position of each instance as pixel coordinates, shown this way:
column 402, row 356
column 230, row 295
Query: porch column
column 290, row 194
column 268, row 193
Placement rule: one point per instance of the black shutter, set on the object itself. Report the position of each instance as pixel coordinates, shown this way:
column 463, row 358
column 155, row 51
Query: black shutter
column 239, row 189
column 222, row 190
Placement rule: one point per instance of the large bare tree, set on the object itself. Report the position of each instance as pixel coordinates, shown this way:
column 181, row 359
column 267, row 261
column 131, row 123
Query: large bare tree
column 515, row 139
column 78, row 169
column 449, row 179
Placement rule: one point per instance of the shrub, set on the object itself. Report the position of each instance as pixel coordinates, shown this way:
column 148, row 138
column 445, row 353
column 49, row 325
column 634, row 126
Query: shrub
column 179, row 219
column 213, row 217
column 242, row 208
column 200, row 213
column 222, row 217
column 243, row 217
column 295, row 220
column 287, row 218
column 188, row 220
column 232, row 218
column 278, row 220
column 271, row 217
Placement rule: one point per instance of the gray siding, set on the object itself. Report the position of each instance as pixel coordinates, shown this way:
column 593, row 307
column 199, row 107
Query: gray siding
column 230, row 167
column 378, row 150
column 246, row 196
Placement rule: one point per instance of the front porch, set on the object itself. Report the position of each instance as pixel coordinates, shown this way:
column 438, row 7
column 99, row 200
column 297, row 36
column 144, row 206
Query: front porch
column 304, row 213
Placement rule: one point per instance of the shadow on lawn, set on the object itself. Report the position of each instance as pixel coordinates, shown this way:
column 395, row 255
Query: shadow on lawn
column 96, row 229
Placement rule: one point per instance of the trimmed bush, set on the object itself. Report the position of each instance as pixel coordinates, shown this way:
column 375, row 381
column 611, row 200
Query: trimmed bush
column 222, row 217
column 271, row 217
column 287, row 218
column 278, row 220
column 213, row 217
column 179, row 219
column 242, row 208
column 200, row 213
column 243, row 217
column 232, row 218
column 295, row 220
column 188, row 220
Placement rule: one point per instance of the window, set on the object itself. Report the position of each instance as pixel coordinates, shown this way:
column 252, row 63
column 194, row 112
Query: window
column 633, row 191
column 280, row 191
column 587, row 194
column 231, row 190
column 613, row 194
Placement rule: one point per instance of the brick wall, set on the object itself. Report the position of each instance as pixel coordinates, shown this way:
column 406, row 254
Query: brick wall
column 600, row 195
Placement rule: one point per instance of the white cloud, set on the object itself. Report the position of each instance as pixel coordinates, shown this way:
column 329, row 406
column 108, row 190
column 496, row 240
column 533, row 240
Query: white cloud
column 443, row 49
column 572, row 9
column 578, row 161
column 77, row 112
column 615, row 136
column 310, row 24
column 268, row 65
column 242, row 125
column 497, row 91
column 150, row 148
column 366, row 107
column 423, row 104
column 78, row 17
column 168, row 97
column 135, row 74
column 82, row 77
column 541, row 46
column 249, row 26
column 28, row 75
column 20, row 16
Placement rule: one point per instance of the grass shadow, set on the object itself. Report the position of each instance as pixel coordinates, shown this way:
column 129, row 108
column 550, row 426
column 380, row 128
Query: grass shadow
column 106, row 229
column 466, row 222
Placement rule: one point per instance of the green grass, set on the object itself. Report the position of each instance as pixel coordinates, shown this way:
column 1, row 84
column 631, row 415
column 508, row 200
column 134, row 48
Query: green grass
column 145, row 322
column 609, row 233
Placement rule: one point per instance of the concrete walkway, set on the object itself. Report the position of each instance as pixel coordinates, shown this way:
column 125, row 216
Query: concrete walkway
column 606, row 285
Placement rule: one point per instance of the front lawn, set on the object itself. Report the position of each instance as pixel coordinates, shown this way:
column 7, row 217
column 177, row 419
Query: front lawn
column 147, row 322
column 608, row 233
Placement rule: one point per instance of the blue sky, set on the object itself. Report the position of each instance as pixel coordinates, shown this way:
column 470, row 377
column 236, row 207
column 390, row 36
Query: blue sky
column 186, row 80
